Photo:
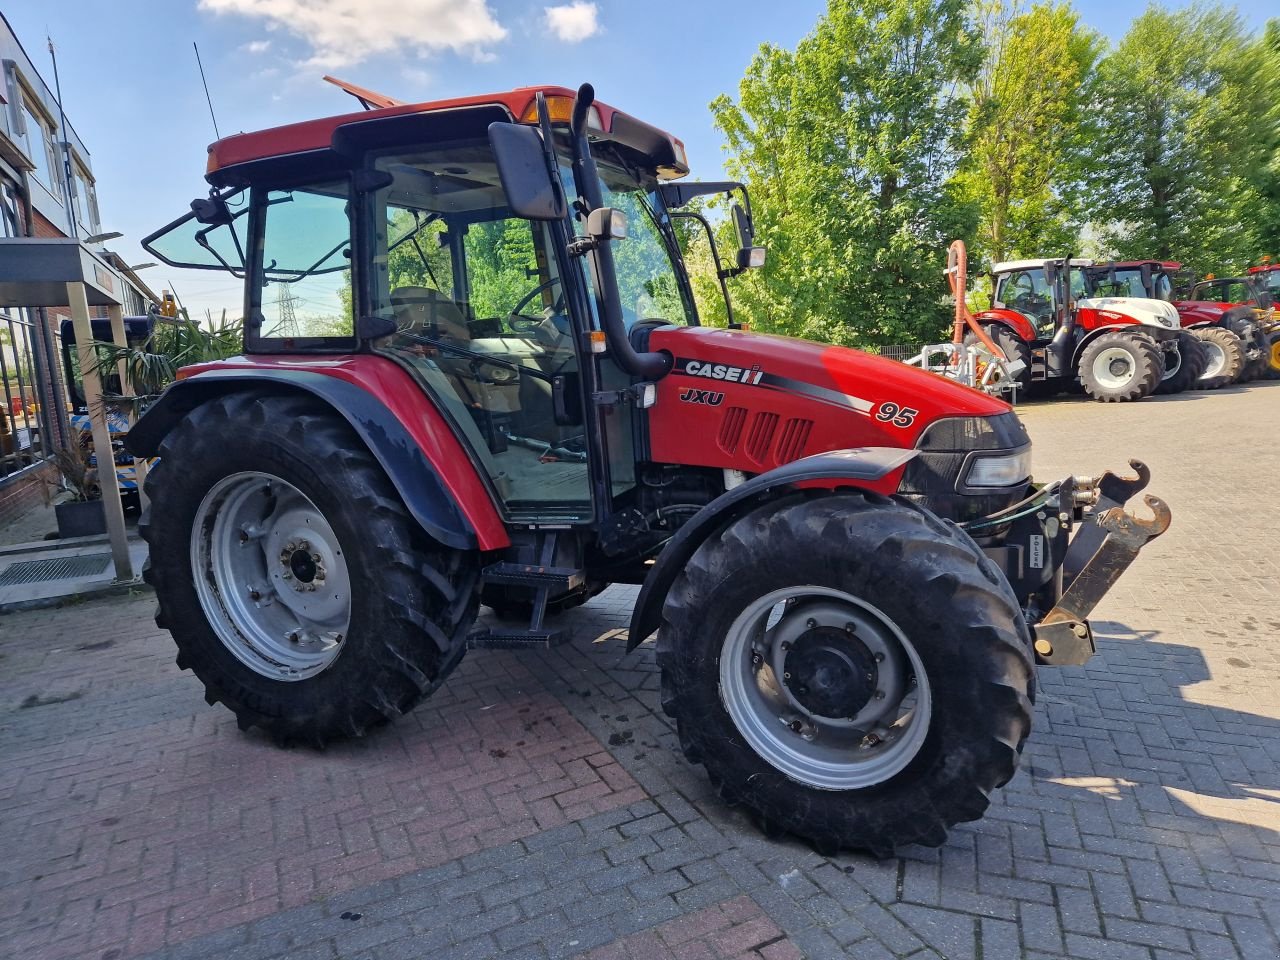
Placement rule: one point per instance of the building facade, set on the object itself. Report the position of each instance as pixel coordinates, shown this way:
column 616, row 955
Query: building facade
column 47, row 189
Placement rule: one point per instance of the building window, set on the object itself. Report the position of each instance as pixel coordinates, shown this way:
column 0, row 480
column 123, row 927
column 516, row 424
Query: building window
column 86, row 201
column 40, row 148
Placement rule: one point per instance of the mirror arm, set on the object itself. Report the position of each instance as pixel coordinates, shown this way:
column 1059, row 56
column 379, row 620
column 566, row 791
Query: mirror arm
column 721, row 272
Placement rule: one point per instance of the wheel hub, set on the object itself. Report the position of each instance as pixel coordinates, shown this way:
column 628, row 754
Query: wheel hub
column 303, row 570
column 830, row 672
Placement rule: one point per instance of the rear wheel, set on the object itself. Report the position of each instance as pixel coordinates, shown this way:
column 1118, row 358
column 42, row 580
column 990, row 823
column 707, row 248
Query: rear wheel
column 850, row 668
column 1224, row 357
column 295, row 583
column 1273, row 356
column 1119, row 366
column 1183, row 367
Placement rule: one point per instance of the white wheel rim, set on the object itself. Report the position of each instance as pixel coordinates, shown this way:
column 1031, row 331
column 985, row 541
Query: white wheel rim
column 812, row 746
column 271, row 576
column 1114, row 368
column 1215, row 360
column 1172, row 362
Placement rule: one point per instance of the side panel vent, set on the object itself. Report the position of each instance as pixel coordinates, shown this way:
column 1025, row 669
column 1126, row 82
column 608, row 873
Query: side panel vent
column 795, row 434
column 735, row 419
column 760, row 436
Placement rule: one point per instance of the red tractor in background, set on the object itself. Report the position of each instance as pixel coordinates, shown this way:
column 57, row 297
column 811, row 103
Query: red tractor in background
column 1044, row 318
column 474, row 373
column 1229, row 315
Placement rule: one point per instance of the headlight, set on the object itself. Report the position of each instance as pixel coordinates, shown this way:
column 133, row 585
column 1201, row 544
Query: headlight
column 1001, row 471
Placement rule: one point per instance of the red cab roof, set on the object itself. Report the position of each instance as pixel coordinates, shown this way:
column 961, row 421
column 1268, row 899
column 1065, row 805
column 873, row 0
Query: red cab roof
column 318, row 134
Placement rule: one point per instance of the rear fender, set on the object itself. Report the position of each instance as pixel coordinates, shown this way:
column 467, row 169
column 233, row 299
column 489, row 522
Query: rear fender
column 866, row 468
column 1012, row 319
column 463, row 522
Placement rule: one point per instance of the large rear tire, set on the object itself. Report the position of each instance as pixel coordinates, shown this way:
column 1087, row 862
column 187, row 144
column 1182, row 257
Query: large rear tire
column 1242, row 321
column 1014, row 348
column 1224, row 357
column 1120, row 365
column 291, row 576
column 1189, row 365
column 849, row 668
column 1273, row 356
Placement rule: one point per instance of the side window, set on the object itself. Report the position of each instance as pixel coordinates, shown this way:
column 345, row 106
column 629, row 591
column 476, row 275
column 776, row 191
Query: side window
column 305, row 278
column 1079, row 289
column 1238, row 293
column 503, row 276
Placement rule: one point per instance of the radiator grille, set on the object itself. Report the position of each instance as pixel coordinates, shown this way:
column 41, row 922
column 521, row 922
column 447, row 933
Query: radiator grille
column 760, row 436
column 731, row 429
column 795, row 434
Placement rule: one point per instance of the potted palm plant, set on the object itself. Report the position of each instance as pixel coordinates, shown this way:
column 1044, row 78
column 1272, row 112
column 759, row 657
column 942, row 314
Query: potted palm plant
column 82, row 514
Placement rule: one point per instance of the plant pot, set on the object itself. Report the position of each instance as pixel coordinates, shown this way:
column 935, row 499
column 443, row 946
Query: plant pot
column 80, row 518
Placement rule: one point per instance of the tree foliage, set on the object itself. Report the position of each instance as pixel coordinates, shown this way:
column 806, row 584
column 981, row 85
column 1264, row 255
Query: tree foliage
column 1181, row 141
column 849, row 146
column 1027, row 127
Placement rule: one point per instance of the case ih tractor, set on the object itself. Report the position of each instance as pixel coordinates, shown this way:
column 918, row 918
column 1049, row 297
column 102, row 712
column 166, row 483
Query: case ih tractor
column 1227, row 315
column 473, row 372
column 1042, row 316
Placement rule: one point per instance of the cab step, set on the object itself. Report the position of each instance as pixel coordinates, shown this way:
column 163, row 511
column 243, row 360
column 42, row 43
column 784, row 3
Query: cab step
column 555, row 579
column 487, row 638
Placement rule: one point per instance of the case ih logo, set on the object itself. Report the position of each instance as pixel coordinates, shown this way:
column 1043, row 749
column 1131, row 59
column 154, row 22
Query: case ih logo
column 709, row 397
column 719, row 371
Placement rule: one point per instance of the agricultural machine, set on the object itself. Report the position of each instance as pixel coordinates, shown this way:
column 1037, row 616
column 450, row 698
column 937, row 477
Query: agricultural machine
column 1267, row 275
column 1231, row 316
column 474, row 373
column 1044, row 319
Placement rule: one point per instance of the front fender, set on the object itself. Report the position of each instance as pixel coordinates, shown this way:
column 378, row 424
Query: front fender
column 465, row 522
column 859, row 467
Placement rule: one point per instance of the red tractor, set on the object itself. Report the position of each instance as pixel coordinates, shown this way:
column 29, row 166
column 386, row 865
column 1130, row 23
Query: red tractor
column 1043, row 316
column 474, row 373
column 1228, row 315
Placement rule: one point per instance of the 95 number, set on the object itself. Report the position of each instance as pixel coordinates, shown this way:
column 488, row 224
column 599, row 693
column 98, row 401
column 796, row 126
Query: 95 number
column 899, row 416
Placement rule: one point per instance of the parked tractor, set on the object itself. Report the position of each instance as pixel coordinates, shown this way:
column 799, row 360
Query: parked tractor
column 1229, row 332
column 1267, row 275
column 474, row 372
column 1043, row 316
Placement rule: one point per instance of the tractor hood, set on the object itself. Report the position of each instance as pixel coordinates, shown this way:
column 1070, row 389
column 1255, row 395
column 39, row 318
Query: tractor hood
column 1144, row 310
column 751, row 401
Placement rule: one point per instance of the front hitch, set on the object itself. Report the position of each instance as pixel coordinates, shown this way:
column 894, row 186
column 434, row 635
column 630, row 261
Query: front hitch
column 1108, row 541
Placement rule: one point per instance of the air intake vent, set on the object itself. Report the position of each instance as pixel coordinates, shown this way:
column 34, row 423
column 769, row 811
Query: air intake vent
column 795, row 434
column 731, row 428
column 760, row 436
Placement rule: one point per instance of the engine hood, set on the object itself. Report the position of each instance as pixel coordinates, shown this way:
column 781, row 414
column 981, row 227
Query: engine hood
column 1145, row 310
column 752, row 401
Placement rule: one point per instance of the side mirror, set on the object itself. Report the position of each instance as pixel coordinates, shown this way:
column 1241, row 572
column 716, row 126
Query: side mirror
column 531, row 191
column 212, row 211
column 607, row 223
column 751, row 258
column 742, row 224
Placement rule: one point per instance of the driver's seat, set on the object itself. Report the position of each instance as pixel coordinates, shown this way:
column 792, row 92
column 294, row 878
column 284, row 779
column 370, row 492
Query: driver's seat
column 429, row 312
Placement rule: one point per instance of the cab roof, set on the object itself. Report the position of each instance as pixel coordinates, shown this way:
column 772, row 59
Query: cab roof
column 312, row 135
column 1130, row 264
column 1010, row 265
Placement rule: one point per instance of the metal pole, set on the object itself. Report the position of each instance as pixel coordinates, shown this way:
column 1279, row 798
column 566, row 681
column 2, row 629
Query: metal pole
column 66, row 146
column 101, row 432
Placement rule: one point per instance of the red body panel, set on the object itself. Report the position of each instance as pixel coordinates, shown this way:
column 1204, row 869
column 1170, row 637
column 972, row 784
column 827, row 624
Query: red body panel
column 394, row 388
column 751, row 402
column 317, row 134
column 1012, row 319
column 1194, row 313
column 1090, row 319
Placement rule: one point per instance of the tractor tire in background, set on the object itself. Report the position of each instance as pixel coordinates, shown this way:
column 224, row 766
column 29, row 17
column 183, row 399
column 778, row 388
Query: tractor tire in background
column 1243, row 323
column 849, row 668
column 1013, row 346
column 1119, row 366
column 1189, row 366
column 1273, row 356
column 295, row 583
column 1224, row 357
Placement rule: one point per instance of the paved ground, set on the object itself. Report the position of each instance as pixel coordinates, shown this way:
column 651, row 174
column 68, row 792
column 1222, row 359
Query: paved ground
column 536, row 807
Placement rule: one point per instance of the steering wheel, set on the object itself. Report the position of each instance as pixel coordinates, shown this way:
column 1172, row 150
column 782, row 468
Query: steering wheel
column 521, row 323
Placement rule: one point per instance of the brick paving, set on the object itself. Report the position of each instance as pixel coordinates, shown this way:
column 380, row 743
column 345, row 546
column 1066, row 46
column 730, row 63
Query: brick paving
column 537, row 807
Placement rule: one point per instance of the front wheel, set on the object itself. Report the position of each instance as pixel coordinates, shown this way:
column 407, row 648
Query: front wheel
column 1120, row 365
column 296, row 585
column 850, row 668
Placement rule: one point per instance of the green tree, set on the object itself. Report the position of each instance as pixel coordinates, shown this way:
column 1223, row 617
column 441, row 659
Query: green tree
column 848, row 145
column 1267, row 214
column 1026, row 129
column 1182, row 139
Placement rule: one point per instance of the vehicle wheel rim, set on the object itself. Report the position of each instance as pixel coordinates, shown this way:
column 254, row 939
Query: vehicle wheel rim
column 1172, row 363
column 1275, row 356
column 1113, row 367
column 271, row 576
column 1214, row 361
column 825, row 688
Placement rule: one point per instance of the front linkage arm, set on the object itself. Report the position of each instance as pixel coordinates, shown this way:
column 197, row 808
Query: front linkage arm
column 1101, row 551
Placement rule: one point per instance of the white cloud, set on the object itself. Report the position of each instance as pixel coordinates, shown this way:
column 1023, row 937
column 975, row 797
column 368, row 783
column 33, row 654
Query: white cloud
column 344, row 32
column 257, row 46
column 573, row 22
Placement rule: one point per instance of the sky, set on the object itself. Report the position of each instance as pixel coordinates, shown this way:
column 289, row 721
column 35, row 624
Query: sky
column 132, row 91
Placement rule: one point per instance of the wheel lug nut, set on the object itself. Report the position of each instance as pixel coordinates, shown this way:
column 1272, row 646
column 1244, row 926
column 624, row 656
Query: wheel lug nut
column 785, row 646
column 850, row 627
column 786, row 676
column 879, row 694
column 315, row 557
column 879, row 658
column 293, row 637
column 811, row 623
column 255, row 595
